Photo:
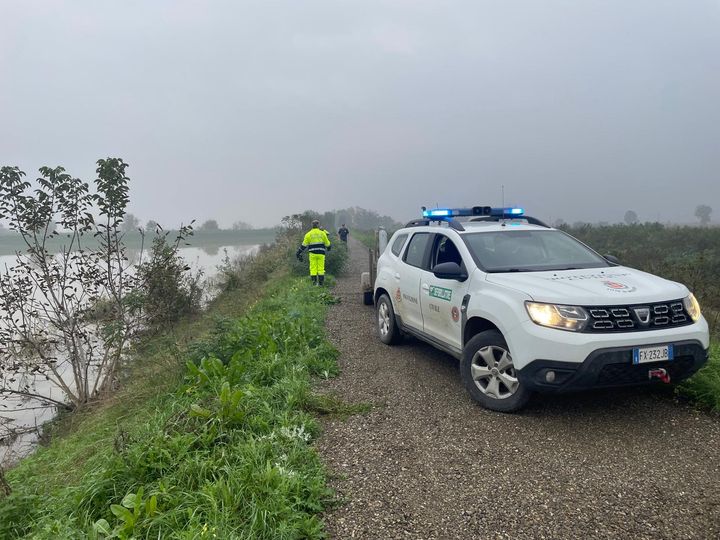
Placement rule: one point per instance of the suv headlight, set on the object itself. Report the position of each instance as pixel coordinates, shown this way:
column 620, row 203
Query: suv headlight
column 692, row 307
column 573, row 318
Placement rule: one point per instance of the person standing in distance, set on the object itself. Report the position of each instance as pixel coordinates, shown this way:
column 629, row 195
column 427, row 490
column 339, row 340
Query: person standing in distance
column 317, row 244
column 343, row 233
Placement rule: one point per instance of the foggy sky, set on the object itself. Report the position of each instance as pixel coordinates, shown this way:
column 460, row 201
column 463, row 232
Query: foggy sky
column 253, row 110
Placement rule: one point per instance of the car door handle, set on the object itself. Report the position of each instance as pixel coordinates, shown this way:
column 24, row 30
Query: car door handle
column 425, row 287
column 397, row 276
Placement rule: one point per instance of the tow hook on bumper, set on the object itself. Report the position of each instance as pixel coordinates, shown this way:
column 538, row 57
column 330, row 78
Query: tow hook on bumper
column 659, row 373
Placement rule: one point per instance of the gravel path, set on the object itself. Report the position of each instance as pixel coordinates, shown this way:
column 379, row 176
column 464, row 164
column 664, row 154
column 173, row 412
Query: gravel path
column 427, row 462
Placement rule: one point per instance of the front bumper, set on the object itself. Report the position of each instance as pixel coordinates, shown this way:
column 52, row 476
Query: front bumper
column 609, row 368
column 529, row 341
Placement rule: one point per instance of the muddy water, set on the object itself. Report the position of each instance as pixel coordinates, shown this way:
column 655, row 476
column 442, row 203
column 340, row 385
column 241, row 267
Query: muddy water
column 28, row 414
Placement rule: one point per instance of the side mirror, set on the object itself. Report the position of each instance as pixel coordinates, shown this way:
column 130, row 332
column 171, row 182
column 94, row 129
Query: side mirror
column 612, row 259
column 449, row 270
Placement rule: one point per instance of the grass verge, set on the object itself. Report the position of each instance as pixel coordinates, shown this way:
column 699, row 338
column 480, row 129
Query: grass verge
column 703, row 388
column 221, row 451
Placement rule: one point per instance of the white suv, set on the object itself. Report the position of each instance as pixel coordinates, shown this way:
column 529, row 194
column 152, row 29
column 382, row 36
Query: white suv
column 528, row 308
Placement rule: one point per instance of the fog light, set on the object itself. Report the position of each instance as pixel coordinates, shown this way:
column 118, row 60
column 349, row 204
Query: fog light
column 550, row 376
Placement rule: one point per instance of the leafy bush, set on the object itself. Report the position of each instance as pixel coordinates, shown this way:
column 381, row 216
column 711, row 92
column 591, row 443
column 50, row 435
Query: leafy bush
column 243, row 271
column 230, row 272
column 170, row 289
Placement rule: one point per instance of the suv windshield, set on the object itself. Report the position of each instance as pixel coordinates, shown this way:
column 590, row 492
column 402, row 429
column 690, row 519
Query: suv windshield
column 530, row 251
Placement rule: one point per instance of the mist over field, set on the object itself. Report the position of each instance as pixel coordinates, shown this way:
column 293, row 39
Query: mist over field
column 255, row 110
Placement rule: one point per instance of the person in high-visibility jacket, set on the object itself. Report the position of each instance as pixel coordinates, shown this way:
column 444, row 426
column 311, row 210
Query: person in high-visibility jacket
column 317, row 243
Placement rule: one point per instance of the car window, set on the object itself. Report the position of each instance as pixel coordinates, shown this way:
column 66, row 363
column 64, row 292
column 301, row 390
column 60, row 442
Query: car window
column 530, row 251
column 445, row 251
column 398, row 244
column 415, row 252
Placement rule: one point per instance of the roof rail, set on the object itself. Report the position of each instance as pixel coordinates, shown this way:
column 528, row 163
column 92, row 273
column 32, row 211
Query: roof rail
column 417, row 223
column 452, row 223
column 455, row 224
column 531, row 220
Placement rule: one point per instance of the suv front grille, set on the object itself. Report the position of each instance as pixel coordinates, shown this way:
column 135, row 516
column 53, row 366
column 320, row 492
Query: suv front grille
column 637, row 317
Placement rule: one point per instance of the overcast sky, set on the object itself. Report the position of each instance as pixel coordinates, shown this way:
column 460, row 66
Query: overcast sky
column 253, row 110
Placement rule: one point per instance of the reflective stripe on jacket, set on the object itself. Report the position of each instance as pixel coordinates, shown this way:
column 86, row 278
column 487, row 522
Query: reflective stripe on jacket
column 316, row 241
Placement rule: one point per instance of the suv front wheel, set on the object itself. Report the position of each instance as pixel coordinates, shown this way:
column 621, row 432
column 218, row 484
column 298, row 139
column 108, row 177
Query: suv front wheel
column 488, row 373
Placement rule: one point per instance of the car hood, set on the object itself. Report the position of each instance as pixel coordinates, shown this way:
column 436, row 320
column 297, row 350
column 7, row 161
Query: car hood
column 593, row 286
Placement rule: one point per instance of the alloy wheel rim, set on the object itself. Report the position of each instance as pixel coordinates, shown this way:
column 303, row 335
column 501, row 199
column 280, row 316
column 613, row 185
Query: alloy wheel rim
column 493, row 372
column 383, row 319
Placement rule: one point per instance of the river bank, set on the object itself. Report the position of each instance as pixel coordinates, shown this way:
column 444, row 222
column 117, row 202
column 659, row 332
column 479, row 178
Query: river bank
column 208, row 437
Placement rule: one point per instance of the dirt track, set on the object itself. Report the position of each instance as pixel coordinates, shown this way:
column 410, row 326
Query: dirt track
column 427, row 462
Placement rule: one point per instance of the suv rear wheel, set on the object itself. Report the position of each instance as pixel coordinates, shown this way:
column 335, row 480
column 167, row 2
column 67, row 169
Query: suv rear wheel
column 387, row 327
column 488, row 373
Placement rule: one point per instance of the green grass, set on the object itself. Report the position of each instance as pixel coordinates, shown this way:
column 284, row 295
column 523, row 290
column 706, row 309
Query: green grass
column 221, row 448
column 334, row 405
column 703, row 388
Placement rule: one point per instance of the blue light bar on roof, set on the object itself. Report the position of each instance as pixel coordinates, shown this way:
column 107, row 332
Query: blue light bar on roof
column 440, row 213
column 507, row 212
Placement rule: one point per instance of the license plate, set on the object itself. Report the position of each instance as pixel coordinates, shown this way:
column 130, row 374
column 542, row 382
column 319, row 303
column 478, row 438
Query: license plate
column 642, row 355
